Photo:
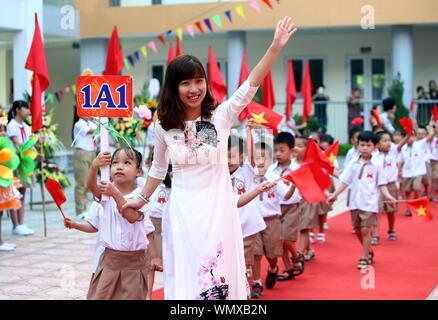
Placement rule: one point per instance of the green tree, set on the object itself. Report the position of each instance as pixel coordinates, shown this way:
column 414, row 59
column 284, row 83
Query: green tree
column 396, row 91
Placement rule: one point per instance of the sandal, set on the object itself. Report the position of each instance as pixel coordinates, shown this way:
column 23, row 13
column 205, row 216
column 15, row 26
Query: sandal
column 363, row 264
column 286, row 275
column 298, row 265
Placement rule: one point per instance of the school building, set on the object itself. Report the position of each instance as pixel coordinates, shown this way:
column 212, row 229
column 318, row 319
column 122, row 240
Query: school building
column 349, row 44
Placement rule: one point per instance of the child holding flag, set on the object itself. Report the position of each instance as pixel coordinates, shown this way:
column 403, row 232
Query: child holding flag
column 366, row 180
column 123, row 238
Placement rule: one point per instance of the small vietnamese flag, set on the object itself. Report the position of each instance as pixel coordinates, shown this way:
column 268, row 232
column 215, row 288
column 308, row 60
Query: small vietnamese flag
column 376, row 116
column 57, row 193
column 406, row 124
column 305, row 181
column 420, row 209
column 314, row 153
column 332, row 151
column 435, row 113
column 264, row 116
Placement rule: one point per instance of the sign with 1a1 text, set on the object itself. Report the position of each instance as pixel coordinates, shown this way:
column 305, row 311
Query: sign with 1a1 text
column 104, row 96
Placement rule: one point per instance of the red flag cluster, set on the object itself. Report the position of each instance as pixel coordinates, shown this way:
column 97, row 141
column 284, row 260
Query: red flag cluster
column 264, row 116
column 406, row 124
column 312, row 178
column 332, row 152
column 420, row 209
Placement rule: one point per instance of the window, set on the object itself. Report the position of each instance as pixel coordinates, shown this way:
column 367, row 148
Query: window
column 316, row 67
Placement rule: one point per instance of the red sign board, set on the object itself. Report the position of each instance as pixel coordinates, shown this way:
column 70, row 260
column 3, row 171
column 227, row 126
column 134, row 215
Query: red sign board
column 104, row 96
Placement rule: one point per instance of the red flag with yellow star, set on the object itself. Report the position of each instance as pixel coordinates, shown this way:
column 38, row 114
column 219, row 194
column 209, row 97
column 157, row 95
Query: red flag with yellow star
column 264, row 116
column 420, row 209
column 332, row 151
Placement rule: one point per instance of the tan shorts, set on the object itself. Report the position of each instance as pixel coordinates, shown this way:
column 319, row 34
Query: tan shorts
column 427, row 178
column 411, row 184
column 434, row 167
column 386, row 206
column 308, row 215
column 269, row 242
column 324, row 208
column 290, row 221
column 158, row 239
column 363, row 219
column 248, row 245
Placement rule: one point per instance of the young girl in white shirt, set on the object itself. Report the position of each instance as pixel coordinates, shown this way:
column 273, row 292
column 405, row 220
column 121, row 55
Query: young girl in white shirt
column 122, row 270
column 19, row 132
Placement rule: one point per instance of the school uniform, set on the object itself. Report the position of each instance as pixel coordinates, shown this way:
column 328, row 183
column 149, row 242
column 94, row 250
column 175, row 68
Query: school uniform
column 122, row 270
column 434, row 158
column 414, row 165
column 290, row 217
column 251, row 219
column 389, row 161
column 22, row 132
column 269, row 241
column 83, row 156
column 364, row 180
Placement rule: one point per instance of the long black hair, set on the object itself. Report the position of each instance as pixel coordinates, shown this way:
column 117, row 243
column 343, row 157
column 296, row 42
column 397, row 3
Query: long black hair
column 17, row 104
column 171, row 110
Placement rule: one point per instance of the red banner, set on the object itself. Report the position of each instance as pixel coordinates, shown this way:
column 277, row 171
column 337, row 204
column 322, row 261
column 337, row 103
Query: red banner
column 104, row 96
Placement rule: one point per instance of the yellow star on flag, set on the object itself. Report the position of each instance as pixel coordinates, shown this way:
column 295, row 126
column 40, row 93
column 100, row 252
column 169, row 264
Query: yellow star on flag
column 332, row 157
column 421, row 211
column 259, row 118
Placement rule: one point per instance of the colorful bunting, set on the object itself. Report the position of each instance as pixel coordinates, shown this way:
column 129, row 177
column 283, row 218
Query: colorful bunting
column 240, row 12
column 144, row 51
column 131, row 60
column 190, row 30
column 208, row 24
column 268, row 3
column 73, row 88
column 162, row 40
column 217, row 20
column 199, row 26
column 254, row 4
column 151, row 44
column 137, row 55
column 126, row 63
column 179, row 32
column 228, row 14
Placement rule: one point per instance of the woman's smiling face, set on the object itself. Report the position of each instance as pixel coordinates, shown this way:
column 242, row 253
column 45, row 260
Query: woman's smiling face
column 192, row 92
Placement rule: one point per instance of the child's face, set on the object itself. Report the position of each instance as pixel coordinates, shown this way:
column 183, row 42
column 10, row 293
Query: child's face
column 385, row 143
column 283, row 153
column 421, row 133
column 124, row 169
column 300, row 149
column 366, row 149
column 411, row 140
column 234, row 159
column 397, row 137
column 262, row 160
column 22, row 113
column 192, row 92
column 324, row 145
column 353, row 139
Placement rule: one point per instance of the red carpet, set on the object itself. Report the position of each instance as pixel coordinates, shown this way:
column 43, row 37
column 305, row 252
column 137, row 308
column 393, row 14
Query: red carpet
column 403, row 269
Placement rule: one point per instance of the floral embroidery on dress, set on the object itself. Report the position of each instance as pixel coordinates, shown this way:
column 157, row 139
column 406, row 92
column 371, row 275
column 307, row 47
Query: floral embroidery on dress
column 213, row 288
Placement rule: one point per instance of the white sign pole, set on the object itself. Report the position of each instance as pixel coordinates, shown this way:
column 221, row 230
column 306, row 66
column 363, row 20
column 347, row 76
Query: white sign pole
column 104, row 146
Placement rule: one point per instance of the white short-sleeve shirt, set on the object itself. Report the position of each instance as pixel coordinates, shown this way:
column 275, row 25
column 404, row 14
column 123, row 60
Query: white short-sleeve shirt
column 284, row 185
column 159, row 201
column 19, row 130
column 83, row 139
column 414, row 159
column 389, row 161
column 269, row 202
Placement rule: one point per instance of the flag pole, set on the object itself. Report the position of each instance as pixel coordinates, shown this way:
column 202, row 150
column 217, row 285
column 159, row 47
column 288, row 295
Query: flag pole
column 43, row 200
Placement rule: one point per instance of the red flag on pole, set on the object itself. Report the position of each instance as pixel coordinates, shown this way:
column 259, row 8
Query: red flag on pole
column 332, row 151
column 303, row 178
column 314, row 153
column 420, row 209
column 171, row 54
column 244, row 73
column 268, row 99
column 376, row 116
column 264, row 116
column 407, row 126
column 36, row 62
column 57, row 193
column 411, row 108
column 291, row 90
column 435, row 113
column 179, row 49
column 114, row 59
column 306, row 92
column 215, row 79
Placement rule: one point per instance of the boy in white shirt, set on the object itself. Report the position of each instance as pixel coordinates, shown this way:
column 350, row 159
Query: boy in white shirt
column 434, row 163
column 366, row 180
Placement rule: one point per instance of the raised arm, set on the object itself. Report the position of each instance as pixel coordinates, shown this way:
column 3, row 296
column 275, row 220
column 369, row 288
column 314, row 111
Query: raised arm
column 103, row 159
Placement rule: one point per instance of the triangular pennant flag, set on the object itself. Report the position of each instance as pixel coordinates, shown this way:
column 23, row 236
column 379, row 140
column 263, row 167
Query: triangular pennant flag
column 208, row 24
column 73, row 88
column 137, row 55
column 131, row 60
column 114, row 59
column 144, row 51
column 162, row 39
column 217, row 20
column 151, row 44
column 55, row 190
column 126, row 63
column 171, row 54
column 190, row 30
column 240, row 12
column 254, row 4
column 435, row 113
column 407, row 126
column 169, row 32
column 179, row 32
column 306, row 92
column 67, row 89
column 244, row 73
column 36, row 62
column 199, row 26
column 268, row 3
column 264, row 116
column 291, row 90
column 420, row 210
column 58, row 95
column 217, row 84
column 332, row 151
column 268, row 98
column 228, row 14
column 51, row 98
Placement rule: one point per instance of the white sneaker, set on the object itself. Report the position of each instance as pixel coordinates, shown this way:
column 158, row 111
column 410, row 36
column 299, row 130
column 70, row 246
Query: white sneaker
column 312, row 237
column 28, row 230
column 326, row 226
column 21, row 230
column 6, row 247
column 12, row 245
column 321, row 237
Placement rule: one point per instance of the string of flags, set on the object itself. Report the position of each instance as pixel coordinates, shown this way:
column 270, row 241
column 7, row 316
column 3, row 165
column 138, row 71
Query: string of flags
column 202, row 26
